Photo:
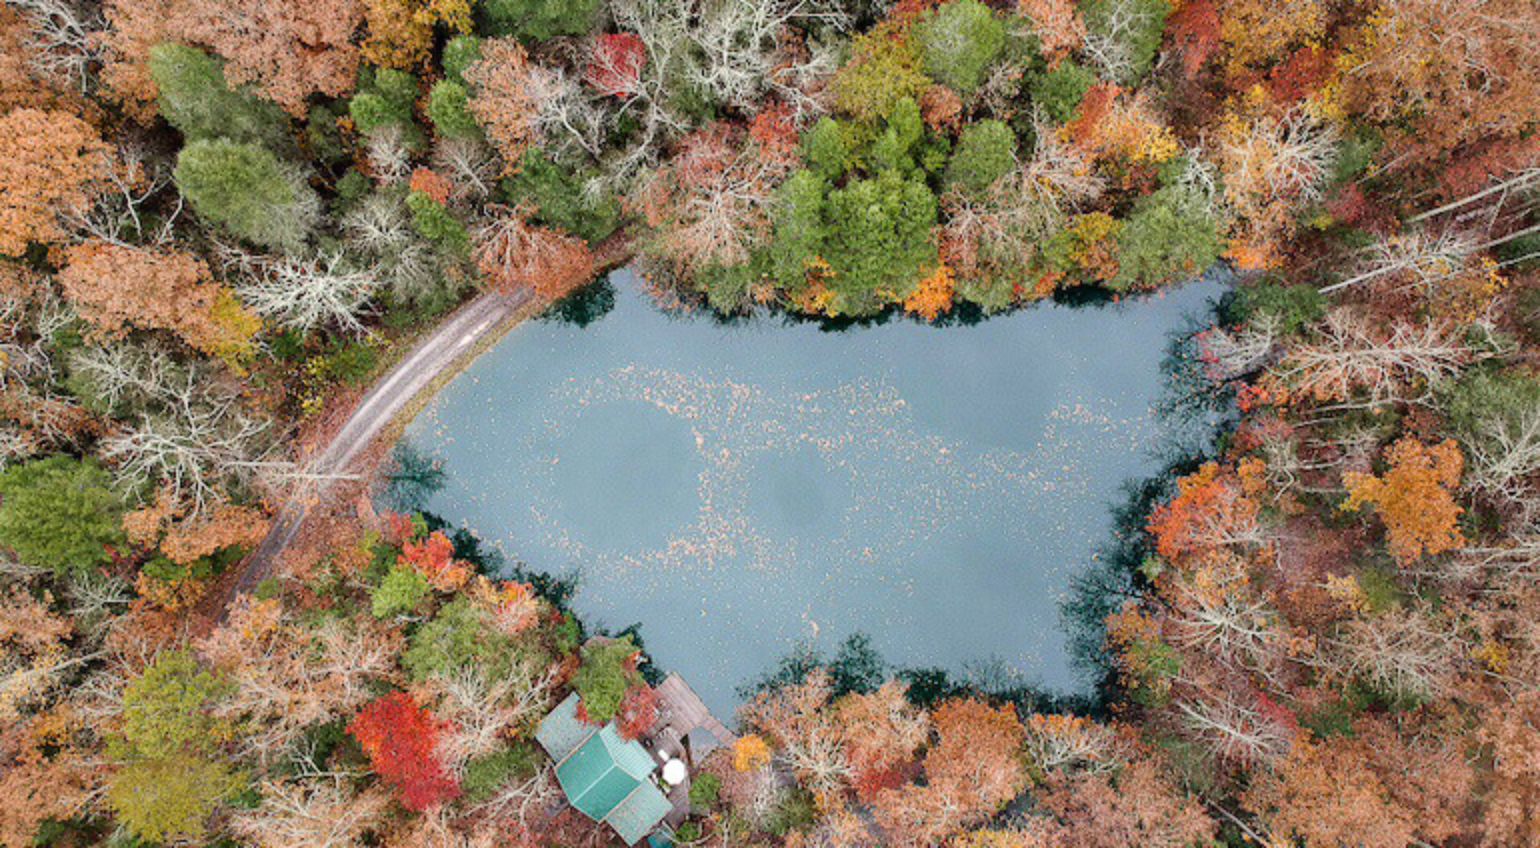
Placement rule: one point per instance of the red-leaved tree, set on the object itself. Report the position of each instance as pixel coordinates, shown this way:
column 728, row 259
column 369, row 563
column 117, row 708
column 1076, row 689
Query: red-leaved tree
column 615, row 63
column 401, row 740
column 638, row 711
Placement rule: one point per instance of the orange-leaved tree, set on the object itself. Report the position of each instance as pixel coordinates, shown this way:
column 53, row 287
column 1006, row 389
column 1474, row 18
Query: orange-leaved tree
column 514, row 253
column 51, row 162
column 1415, row 497
column 116, row 287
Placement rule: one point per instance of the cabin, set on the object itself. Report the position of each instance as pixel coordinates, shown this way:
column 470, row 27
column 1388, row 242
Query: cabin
column 633, row 785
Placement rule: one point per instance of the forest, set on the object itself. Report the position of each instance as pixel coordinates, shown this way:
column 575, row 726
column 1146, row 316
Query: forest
column 220, row 223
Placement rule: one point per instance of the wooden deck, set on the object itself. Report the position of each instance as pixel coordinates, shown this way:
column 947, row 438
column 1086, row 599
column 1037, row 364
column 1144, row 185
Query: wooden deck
column 681, row 710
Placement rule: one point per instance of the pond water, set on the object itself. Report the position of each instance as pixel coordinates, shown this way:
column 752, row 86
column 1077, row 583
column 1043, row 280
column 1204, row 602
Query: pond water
column 744, row 488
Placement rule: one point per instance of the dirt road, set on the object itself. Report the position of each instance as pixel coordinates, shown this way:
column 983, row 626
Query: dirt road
column 433, row 356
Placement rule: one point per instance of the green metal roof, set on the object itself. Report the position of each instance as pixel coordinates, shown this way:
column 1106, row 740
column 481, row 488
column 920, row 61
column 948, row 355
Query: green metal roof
column 605, row 777
column 639, row 813
column 562, row 732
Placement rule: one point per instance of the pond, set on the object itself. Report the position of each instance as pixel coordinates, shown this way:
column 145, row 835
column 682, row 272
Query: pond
column 743, row 488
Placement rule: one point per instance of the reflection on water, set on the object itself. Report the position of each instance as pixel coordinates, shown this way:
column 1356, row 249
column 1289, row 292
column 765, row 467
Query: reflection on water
column 739, row 488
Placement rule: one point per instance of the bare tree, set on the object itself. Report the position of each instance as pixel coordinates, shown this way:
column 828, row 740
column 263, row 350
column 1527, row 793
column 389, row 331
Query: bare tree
column 302, row 294
column 310, row 814
column 1232, row 353
column 380, row 233
column 483, row 708
column 1229, row 625
column 1422, row 255
column 471, row 166
column 1281, row 157
column 1401, row 652
column 1233, row 730
column 388, row 154
column 184, row 429
column 133, row 177
column 66, row 39
column 520, row 802
column 1505, row 458
column 1358, row 365
column 739, row 44
column 1110, row 46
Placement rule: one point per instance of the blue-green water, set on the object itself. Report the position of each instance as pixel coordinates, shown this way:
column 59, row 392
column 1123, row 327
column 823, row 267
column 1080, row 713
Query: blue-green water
column 742, row 488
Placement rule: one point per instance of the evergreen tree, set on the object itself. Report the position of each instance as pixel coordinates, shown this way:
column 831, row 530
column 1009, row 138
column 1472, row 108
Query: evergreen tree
column 245, row 189
column 59, row 513
column 195, row 98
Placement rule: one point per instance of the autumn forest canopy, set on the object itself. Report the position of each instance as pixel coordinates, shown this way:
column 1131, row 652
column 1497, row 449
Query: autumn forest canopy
column 221, row 222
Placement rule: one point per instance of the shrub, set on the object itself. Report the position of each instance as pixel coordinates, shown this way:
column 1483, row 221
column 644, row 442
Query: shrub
column 796, row 811
column 882, row 71
column 59, row 513
column 1486, row 404
column 322, row 137
column 170, row 799
column 1060, row 90
column 538, row 20
column 879, row 241
column 559, row 198
column 960, row 41
column 460, row 53
column 166, row 710
column 1294, row 307
column 895, row 147
column 608, row 670
column 486, row 774
column 171, row 782
column 436, row 224
column 1169, row 236
column 386, row 98
column 458, row 637
column 402, row 591
column 826, row 150
column 704, row 789
column 245, row 189
column 985, row 152
column 195, row 99
column 799, row 228
column 449, row 109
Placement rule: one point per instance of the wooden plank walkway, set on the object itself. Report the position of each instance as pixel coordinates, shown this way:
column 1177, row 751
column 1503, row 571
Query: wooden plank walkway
column 684, row 711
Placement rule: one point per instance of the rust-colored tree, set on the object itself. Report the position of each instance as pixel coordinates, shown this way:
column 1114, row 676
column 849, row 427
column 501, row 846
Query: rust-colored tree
column 401, row 741
column 1258, row 32
column 1136, row 806
column 51, row 163
column 508, row 90
column 1323, row 795
column 514, row 253
column 1437, row 75
column 1209, row 515
column 1194, row 31
column 116, row 287
column 1059, row 27
column 638, row 711
column 881, row 732
column 288, row 51
column 434, row 558
column 401, row 31
column 932, row 298
column 973, row 769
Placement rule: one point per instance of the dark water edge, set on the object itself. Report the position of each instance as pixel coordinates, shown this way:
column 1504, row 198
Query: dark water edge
column 1189, row 422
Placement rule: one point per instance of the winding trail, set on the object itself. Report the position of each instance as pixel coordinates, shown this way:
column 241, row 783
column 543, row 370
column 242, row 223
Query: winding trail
column 435, row 355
